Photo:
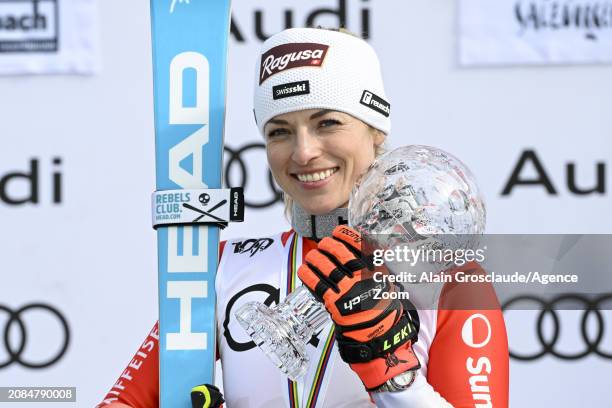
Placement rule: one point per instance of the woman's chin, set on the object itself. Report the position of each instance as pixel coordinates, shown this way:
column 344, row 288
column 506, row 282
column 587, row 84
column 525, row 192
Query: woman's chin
column 320, row 209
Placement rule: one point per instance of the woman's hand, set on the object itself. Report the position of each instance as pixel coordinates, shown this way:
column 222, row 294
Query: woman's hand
column 206, row 396
column 375, row 334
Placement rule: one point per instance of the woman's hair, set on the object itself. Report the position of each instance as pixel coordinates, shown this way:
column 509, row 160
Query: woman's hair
column 379, row 150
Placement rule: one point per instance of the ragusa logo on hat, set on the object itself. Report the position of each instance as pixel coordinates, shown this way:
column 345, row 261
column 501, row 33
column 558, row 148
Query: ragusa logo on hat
column 292, row 55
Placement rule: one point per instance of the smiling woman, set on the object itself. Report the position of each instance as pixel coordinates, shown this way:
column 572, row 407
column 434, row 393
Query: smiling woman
column 316, row 156
column 320, row 104
column 319, row 108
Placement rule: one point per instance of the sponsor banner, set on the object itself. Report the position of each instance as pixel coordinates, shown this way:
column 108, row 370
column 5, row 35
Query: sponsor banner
column 48, row 37
column 496, row 32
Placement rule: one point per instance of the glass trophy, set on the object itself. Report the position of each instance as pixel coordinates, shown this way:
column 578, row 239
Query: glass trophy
column 417, row 196
column 282, row 331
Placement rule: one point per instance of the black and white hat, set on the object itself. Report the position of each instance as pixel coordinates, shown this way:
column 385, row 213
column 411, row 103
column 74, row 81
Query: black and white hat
column 313, row 68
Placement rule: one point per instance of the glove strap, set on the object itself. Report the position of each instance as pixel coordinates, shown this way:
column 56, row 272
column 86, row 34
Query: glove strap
column 356, row 352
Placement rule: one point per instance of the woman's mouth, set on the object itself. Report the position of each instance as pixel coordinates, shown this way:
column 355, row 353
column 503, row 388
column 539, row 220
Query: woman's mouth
column 315, row 178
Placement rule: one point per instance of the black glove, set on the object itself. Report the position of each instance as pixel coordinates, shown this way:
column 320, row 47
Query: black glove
column 206, row 396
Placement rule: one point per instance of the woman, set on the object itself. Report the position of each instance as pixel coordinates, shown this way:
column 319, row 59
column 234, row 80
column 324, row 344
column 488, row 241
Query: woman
column 321, row 106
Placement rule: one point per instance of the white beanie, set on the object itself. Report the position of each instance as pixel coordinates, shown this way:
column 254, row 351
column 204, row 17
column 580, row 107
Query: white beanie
column 313, row 68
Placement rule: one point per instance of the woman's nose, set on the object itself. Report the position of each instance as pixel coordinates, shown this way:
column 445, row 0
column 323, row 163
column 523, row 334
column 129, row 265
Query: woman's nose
column 306, row 147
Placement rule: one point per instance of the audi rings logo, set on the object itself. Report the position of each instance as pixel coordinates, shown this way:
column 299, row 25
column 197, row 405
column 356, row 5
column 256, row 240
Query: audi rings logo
column 237, row 166
column 590, row 336
column 16, row 323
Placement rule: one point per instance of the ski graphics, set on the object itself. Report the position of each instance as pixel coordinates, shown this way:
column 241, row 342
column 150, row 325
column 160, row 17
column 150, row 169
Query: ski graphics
column 189, row 39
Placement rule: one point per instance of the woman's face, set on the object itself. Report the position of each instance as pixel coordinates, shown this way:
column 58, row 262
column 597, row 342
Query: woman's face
column 317, row 155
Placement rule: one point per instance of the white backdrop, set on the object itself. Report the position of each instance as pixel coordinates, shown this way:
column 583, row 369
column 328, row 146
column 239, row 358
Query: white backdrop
column 534, row 32
column 92, row 255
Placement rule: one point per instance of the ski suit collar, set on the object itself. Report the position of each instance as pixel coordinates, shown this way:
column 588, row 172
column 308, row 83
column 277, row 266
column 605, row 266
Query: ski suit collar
column 317, row 226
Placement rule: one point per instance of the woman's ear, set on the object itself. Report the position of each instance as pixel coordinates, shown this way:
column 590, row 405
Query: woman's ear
column 379, row 138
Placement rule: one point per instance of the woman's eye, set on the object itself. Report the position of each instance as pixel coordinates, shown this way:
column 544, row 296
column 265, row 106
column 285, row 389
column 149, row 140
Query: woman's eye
column 277, row 132
column 328, row 122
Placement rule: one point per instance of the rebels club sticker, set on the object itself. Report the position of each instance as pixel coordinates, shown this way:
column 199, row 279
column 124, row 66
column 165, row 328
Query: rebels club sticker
column 289, row 56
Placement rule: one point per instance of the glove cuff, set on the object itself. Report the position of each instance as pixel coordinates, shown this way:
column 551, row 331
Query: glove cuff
column 378, row 371
column 356, row 352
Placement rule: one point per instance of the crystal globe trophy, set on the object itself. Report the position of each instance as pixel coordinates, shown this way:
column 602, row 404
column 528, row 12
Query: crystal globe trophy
column 419, row 197
column 415, row 196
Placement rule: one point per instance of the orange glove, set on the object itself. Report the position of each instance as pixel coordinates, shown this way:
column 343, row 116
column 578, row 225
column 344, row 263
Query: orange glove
column 375, row 334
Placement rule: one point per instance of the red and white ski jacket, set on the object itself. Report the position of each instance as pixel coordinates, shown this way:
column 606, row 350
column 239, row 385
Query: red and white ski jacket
column 463, row 353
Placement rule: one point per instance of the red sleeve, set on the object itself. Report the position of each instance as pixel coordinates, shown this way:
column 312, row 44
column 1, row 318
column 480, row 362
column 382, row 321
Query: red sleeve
column 468, row 358
column 138, row 384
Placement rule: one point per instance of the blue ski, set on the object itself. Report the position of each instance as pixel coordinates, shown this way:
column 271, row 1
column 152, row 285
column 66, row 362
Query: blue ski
column 189, row 73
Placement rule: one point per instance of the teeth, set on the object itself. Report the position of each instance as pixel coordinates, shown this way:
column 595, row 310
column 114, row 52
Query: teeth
column 321, row 175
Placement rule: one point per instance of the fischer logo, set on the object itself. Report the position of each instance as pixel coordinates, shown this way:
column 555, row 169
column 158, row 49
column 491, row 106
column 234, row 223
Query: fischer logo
column 478, row 368
column 291, row 89
column 289, row 56
column 376, row 103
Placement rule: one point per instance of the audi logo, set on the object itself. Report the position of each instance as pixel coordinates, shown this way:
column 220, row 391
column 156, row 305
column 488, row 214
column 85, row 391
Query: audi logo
column 590, row 338
column 16, row 322
column 235, row 164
